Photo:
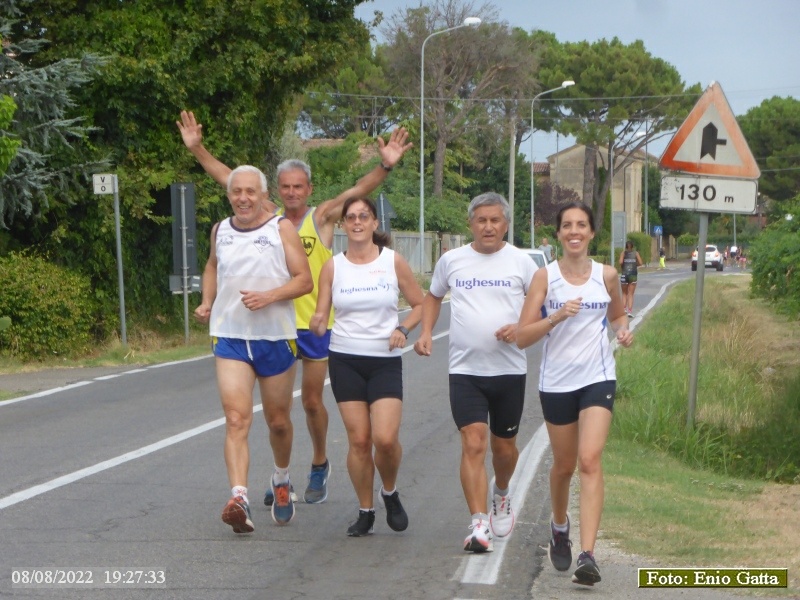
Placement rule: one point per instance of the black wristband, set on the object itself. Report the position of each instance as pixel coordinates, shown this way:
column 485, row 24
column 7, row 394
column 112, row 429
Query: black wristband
column 385, row 168
column 403, row 330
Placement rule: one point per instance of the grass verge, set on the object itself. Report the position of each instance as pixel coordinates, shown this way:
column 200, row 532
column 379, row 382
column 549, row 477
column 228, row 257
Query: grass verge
column 708, row 497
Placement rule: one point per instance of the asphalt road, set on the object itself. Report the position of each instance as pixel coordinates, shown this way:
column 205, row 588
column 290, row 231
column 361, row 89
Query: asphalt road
column 122, row 471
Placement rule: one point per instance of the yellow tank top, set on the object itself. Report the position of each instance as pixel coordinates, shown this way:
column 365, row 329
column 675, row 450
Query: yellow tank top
column 317, row 254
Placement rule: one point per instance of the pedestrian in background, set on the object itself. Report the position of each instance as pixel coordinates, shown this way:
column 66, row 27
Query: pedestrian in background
column 629, row 262
column 547, row 249
column 662, row 258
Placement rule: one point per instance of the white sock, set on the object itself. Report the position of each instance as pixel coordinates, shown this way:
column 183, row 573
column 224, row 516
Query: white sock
column 280, row 476
column 480, row 517
column 385, row 493
column 239, row 490
column 500, row 492
column 563, row 528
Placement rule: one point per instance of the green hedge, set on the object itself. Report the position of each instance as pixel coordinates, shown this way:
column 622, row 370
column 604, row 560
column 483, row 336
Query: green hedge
column 52, row 309
column 774, row 257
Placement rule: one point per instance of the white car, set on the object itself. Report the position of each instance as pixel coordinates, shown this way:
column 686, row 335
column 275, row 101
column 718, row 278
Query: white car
column 539, row 257
column 714, row 258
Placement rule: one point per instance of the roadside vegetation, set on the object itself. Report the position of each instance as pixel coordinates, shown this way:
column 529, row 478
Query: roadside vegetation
column 726, row 492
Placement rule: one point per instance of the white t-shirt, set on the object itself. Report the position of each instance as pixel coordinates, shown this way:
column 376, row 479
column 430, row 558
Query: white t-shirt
column 577, row 351
column 487, row 291
column 365, row 305
column 252, row 260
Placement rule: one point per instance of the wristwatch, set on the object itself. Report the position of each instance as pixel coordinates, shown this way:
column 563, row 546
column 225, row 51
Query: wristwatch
column 403, row 330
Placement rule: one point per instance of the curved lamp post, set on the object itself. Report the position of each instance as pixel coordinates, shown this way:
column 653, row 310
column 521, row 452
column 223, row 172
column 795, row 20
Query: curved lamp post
column 468, row 22
column 565, row 84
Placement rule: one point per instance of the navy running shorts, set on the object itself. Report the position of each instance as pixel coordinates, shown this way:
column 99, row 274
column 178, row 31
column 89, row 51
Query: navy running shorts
column 497, row 400
column 563, row 408
column 365, row 378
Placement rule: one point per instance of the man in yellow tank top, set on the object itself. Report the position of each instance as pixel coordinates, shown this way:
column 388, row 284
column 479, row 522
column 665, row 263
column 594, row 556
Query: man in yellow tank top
column 315, row 226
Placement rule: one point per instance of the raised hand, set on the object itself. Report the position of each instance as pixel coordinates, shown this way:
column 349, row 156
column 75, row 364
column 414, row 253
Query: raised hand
column 392, row 151
column 191, row 130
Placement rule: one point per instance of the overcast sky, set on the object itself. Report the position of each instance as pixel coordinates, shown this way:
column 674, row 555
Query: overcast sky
column 751, row 47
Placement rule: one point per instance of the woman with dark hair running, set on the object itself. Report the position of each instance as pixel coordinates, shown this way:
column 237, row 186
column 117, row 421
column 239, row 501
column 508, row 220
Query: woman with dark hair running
column 570, row 305
column 629, row 262
column 363, row 284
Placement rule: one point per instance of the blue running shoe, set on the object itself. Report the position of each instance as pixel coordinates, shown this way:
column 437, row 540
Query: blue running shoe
column 317, row 490
column 269, row 498
column 237, row 514
column 282, row 506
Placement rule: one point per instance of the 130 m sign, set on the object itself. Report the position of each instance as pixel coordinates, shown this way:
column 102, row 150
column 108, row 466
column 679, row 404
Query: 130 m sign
column 705, row 194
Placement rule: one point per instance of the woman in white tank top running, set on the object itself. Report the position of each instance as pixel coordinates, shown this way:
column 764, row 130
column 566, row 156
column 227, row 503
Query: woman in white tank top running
column 571, row 304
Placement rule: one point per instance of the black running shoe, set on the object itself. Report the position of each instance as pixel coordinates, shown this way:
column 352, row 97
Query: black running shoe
column 587, row 572
column 363, row 525
column 396, row 515
column 560, row 551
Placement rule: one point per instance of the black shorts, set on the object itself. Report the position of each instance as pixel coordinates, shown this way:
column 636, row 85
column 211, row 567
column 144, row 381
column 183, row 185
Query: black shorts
column 497, row 400
column 563, row 408
column 365, row 378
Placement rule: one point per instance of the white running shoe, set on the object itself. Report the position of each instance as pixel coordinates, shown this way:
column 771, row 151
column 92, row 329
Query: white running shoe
column 480, row 540
column 502, row 518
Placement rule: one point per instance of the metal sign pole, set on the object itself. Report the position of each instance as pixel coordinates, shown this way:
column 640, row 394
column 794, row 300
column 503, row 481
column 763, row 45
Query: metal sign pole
column 698, row 314
column 185, row 267
column 124, row 332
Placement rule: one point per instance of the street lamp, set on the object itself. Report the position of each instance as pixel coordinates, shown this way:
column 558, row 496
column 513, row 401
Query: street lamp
column 468, row 22
column 646, row 175
column 563, row 85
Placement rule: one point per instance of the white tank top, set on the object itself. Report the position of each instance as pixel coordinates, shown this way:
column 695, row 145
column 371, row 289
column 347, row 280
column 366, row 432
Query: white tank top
column 252, row 260
column 577, row 351
column 365, row 305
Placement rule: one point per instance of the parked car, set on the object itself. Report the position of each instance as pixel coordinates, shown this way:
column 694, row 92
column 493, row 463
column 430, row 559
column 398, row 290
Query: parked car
column 539, row 257
column 714, row 258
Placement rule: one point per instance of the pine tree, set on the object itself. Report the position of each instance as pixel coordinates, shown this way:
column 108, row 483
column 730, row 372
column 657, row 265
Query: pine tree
column 48, row 134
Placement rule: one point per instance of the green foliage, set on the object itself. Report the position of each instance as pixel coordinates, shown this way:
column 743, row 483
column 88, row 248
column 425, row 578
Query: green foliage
column 619, row 87
column 641, row 241
column 772, row 130
column 745, row 418
column 688, row 239
column 775, row 258
column 8, row 144
column 5, row 323
column 47, row 128
column 237, row 63
column 52, row 309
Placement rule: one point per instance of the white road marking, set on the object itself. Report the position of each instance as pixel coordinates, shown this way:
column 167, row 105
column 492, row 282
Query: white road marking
column 485, row 568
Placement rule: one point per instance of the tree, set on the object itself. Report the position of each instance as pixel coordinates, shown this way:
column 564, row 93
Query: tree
column 463, row 69
column 8, row 144
column 44, row 148
column 772, row 131
column 239, row 64
column 620, row 91
column 352, row 99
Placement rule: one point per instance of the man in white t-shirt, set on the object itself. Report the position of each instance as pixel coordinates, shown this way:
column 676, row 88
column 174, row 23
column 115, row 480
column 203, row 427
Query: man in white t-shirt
column 487, row 281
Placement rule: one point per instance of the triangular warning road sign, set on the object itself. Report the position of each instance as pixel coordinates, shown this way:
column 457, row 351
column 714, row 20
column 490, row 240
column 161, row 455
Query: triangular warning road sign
column 710, row 142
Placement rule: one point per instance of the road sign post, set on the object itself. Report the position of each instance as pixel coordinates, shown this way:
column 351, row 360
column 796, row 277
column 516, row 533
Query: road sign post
column 107, row 184
column 713, row 171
